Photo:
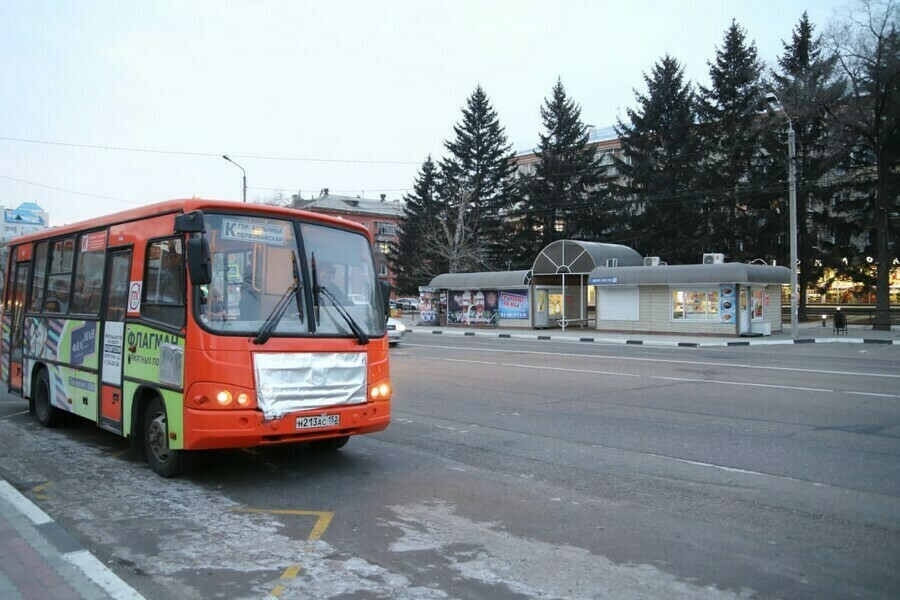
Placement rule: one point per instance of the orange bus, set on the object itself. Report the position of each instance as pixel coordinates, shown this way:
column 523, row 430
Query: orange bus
column 195, row 324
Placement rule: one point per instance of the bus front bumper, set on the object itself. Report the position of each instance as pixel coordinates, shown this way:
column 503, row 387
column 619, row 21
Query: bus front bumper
column 221, row 428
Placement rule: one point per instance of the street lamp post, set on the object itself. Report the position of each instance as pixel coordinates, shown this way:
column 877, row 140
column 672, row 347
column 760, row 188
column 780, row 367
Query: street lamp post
column 225, row 156
column 773, row 100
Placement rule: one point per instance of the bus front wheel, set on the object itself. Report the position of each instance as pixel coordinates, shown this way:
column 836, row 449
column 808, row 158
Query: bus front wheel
column 47, row 414
column 162, row 459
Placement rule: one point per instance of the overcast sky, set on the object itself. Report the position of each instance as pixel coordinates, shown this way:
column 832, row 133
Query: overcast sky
column 353, row 83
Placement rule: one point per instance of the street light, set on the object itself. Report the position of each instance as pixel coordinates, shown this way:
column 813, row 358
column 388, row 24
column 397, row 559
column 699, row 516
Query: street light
column 225, row 156
column 775, row 103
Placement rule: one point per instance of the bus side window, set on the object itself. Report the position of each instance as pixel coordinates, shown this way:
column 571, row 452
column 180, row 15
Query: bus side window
column 164, row 283
column 117, row 294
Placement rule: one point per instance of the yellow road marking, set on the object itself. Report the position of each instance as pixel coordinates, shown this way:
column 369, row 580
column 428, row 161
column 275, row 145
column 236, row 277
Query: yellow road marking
column 322, row 523
column 323, row 520
column 291, row 572
column 40, row 488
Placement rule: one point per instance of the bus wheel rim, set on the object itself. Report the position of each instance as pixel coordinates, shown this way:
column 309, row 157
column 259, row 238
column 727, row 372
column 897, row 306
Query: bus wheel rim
column 158, row 437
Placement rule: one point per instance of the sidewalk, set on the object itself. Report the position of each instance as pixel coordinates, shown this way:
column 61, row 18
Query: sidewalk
column 40, row 560
column 809, row 333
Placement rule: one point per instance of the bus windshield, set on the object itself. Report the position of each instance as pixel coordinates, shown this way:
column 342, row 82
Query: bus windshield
column 254, row 261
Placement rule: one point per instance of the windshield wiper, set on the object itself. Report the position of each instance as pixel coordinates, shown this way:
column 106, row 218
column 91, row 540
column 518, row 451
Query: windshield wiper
column 317, row 289
column 354, row 326
column 265, row 332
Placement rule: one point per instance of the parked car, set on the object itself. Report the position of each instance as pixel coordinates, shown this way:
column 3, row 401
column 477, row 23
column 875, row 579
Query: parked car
column 408, row 304
column 395, row 329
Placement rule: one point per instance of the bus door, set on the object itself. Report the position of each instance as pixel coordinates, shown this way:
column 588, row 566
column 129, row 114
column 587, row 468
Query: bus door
column 16, row 308
column 118, row 268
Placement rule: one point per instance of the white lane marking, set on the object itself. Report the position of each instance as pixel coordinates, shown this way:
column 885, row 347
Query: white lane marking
column 736, row 470
column 477, row 362
column 566, row 370
column 24, row 412
column 683, row 379
column 23, row 504
column 719, row 381
column 97, row 572
column 874, row 394
column 659, row 360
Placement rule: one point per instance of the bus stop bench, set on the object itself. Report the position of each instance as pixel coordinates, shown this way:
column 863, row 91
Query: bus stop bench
column 566, row 322
column 840, row 323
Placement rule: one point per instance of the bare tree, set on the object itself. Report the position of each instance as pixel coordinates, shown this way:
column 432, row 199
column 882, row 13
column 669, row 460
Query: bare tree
column 276, row 199
column 867, row 44
column 452, row 235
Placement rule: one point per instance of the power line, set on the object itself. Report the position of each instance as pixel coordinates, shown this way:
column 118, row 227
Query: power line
column 209, row 154
column 59, row 189
column 283, row 189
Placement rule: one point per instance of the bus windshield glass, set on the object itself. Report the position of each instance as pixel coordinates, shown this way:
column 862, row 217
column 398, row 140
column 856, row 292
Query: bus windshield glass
column 254, row 261
column 345, row 273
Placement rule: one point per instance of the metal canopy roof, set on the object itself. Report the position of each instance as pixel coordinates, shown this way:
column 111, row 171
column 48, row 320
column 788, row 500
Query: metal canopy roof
column 572, row 256
column 684, row 274
column 478, row 281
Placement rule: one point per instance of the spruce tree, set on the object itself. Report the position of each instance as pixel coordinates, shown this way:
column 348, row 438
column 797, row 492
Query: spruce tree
column 661, row 144
column 808, row 88
column 562, row 198
column 738, row 218
column 410, row 261
column 478, row 167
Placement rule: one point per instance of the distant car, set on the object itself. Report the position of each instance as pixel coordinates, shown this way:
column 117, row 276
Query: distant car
column 407, row 304
column 395, row 329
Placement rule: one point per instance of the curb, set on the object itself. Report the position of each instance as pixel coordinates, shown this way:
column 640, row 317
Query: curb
column 68, row 547
column 658, row 343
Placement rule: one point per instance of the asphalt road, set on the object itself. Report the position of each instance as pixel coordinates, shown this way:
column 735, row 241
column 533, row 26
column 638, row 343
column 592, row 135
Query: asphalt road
column 518, row 469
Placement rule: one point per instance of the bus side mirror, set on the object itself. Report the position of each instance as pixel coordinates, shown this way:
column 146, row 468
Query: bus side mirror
column 191, row 222
column 386, row 298
column 198, row 260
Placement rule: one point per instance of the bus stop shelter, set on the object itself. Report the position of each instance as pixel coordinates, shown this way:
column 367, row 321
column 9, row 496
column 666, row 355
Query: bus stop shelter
column 559, row 279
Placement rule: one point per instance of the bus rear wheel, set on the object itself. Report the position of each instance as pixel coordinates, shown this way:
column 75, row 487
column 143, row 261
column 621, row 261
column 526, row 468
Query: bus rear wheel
column 162, row 459
column 47, row 414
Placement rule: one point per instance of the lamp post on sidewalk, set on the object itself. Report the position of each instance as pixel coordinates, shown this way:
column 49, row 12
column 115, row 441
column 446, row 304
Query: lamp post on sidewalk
column 775, row 103
column 225, row 156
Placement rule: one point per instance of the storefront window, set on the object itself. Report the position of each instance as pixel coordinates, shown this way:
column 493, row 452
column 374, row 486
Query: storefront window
column 695, row 305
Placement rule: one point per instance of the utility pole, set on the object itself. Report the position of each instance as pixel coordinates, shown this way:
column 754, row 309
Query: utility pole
column 225, row 156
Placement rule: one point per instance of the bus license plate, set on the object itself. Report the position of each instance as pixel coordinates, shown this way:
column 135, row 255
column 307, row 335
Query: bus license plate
column 318, row 421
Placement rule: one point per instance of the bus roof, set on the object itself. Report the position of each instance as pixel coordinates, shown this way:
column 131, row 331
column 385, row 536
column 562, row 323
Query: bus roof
column 178, row 206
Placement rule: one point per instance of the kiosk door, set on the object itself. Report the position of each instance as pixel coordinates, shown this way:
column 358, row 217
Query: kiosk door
column 541, row 308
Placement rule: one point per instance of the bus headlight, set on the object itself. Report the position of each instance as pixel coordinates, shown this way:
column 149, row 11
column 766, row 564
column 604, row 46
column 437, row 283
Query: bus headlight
column 224, row 397
column 381, row 390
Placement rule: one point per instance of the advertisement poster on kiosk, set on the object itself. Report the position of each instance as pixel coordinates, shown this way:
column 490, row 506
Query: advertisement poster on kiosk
column 472, row 307
column 513, row 304
column 428, row 306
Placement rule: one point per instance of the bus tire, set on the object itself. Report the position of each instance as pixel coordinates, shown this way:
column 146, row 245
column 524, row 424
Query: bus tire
column 47, row 414
column 155, row 433
column 331, row 445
